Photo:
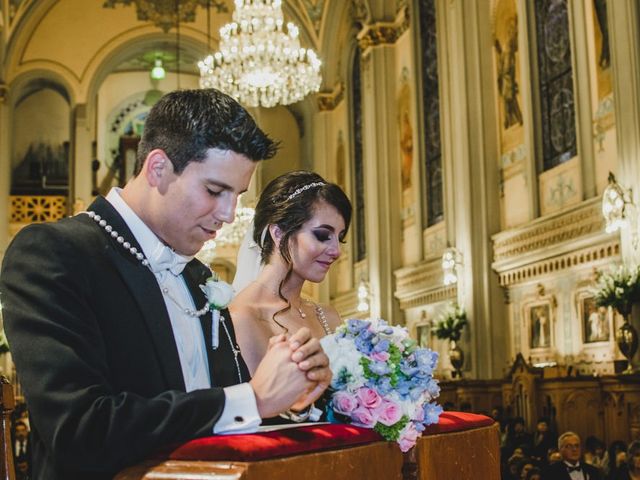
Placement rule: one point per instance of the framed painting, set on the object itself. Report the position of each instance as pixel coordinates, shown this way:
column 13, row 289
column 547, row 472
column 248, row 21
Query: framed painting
column 595, row 320
column 539, row 316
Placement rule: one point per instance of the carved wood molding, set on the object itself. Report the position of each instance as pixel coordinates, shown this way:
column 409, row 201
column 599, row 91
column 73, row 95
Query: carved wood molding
column 422, row 284
column 384, row 33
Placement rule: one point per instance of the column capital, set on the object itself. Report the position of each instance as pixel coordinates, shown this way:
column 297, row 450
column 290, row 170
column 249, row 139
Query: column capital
column 384, row 33
column 328, row 101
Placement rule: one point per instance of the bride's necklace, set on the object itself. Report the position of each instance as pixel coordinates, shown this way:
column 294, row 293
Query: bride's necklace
column 165, row 291
column 320, row 315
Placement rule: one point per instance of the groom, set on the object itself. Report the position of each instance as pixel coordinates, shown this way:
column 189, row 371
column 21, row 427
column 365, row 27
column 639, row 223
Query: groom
column 106, row 320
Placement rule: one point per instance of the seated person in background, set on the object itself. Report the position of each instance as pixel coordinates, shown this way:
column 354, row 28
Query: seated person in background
column 543, row 439
column 517, row 436
column 617, row 458
column 300, row 221
column 595, row 453
column 631, row 469
column 533, row 474
column 571, row 468
column 21, row 451
column 112, row 337
column 553, row 456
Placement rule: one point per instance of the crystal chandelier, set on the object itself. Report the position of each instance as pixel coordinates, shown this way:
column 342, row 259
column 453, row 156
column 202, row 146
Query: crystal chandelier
column 258, row 63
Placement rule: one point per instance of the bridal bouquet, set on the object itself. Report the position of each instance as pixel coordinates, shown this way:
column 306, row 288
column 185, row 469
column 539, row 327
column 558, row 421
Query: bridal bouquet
column 382, row 380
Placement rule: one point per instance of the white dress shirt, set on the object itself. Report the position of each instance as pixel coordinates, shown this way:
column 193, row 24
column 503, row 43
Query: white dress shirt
column 240, row 414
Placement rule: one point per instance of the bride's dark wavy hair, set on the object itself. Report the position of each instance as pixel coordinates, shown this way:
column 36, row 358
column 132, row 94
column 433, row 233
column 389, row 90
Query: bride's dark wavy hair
column 286, row 203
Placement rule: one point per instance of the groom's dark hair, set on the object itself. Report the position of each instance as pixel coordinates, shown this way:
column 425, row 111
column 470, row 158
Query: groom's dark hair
column 185, row 124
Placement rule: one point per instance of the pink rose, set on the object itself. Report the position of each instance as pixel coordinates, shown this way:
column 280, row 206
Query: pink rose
column 344, row 402
column 380, row 356
column 389, row 413
column 408, row 437
column 363, row 417
column 368, row 398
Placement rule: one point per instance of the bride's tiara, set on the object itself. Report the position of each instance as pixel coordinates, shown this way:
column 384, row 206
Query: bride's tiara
column 306, row 187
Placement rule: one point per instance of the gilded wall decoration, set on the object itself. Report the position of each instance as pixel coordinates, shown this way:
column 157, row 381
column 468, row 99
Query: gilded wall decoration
column 405, row 134
column 603, row 54
column 508, row 80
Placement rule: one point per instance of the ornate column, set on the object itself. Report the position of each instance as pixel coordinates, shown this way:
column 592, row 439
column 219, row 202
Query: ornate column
column 5, row 168
column 471, row 176
column 624, row 38
column 381, row 161
column 80, row 185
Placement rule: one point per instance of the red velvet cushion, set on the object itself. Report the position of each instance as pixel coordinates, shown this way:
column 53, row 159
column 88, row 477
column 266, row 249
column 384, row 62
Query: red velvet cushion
column 261, row 446
column 458, row 421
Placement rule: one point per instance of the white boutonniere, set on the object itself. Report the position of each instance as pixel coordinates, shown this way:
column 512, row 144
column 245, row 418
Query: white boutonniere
column 219, row 295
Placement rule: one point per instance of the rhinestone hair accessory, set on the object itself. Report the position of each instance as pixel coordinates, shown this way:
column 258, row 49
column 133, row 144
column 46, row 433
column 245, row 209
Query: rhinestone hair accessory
column 304, row 188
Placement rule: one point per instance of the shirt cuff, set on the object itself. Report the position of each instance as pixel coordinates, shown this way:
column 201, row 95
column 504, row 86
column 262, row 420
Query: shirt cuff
column 240, row 414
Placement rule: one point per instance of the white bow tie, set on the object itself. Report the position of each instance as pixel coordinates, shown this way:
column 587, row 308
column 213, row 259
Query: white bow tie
column 164, row 258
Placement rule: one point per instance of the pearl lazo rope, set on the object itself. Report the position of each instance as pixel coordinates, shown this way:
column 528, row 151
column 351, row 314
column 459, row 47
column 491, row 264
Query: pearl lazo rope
column 304, row 188
column 188, row 311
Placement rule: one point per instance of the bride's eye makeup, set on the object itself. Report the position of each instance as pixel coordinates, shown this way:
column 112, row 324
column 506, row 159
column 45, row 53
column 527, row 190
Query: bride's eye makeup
column 322, row 235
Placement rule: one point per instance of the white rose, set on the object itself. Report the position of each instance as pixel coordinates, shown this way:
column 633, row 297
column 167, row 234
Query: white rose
column 219, row 294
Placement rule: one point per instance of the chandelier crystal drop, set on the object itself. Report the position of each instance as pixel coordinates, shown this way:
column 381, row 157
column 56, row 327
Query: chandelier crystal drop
column 261, row 63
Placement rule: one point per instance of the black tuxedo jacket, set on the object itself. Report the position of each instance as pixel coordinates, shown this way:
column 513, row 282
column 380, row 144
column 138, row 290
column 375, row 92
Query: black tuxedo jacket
column 558, row 471
column 95, row 353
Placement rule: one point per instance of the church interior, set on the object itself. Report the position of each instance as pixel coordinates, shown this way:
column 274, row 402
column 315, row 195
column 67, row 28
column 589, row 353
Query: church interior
column 491, row 150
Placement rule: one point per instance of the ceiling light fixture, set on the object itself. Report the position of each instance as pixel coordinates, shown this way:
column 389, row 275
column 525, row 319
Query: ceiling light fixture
column 258, row 63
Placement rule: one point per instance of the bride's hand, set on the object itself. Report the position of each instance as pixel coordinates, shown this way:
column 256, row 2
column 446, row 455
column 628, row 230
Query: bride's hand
column 311, row 359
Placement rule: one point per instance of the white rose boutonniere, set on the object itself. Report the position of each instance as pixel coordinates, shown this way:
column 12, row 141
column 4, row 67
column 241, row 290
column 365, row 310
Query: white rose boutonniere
column 219, row 295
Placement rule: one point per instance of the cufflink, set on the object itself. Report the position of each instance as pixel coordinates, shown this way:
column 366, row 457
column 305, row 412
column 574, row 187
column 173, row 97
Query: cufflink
column 238, row 419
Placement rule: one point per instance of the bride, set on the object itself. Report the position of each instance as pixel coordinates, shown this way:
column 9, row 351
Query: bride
column 300, row 221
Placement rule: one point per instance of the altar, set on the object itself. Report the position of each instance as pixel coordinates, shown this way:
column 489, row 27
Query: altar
column 460, row 446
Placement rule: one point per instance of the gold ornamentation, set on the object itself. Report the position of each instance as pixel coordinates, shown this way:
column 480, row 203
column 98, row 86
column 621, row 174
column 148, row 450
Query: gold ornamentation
column 328, row 101
column 163, row 12
column 384, row 33
column 32, row 208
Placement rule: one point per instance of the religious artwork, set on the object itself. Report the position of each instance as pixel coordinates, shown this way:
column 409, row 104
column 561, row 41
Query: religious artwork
column 405, row 131
column 595, row 321
column 405, row 135
column 602, row 53
column 506, row 58
column 423, row 332
column 540, row 325
column 506, row 64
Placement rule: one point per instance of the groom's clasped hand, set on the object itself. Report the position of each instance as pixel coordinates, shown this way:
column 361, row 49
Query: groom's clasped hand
column 294, row 366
